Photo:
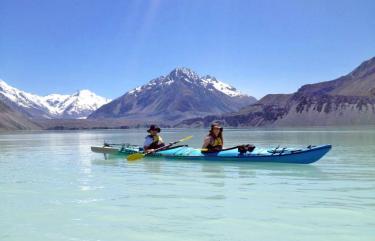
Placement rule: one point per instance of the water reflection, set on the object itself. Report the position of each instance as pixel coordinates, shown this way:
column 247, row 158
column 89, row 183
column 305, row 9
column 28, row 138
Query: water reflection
column 220, row 169
column 152, row 166
column 107, row 162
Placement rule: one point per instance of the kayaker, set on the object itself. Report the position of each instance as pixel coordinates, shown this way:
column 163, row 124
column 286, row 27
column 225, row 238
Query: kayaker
column 214, row 141
column 153, row 140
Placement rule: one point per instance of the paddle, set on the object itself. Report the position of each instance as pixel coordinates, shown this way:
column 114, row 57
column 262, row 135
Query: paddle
column 139, row 155
column 230, row 148
column 225, row 149
column 116, row 144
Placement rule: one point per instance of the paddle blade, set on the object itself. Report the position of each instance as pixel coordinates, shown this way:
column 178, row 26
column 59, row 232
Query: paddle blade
column 104, row 150
column 186, row 138
column 135, row 156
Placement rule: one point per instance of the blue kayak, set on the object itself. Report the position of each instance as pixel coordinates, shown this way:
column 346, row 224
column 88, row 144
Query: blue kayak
column 306, row 155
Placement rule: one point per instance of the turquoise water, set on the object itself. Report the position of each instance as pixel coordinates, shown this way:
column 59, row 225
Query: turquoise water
column 53, row 188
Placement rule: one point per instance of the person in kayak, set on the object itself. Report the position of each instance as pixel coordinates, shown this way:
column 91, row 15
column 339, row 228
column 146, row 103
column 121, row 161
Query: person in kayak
column 153, row 140
column 214, row 142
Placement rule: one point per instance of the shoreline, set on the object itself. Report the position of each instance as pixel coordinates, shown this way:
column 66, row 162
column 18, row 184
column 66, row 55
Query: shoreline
column 255, row 129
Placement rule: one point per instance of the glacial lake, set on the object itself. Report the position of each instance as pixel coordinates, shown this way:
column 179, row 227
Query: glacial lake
column 53, row 188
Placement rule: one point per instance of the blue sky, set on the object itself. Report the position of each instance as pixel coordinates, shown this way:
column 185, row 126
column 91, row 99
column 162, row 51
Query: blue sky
column 111, row 46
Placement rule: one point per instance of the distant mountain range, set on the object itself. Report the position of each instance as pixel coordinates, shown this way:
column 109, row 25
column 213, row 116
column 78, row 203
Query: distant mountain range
column 348, row 100
column 185, row 99
column 54, row 106
column 179, row 95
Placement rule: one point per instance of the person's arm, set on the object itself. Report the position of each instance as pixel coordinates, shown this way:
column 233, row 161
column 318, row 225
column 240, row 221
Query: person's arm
column 206, row 142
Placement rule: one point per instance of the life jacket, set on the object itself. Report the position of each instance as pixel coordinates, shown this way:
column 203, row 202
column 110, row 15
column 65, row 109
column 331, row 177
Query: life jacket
column 216, row 144
column 156, row 143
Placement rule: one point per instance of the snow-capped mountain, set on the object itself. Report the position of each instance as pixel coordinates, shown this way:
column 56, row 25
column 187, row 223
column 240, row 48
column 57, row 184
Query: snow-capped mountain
column 180, row 94
column 208, row 82
column 78, row 105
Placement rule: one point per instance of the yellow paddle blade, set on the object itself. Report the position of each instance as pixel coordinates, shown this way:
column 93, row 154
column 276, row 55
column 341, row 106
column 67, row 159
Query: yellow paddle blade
column 135, row 156
column 186, row 138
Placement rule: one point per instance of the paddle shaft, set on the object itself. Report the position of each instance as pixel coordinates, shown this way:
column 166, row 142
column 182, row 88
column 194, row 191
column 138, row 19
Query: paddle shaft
column 226, row 149
column 138, row 155
column 169, row 145
column 115, row 144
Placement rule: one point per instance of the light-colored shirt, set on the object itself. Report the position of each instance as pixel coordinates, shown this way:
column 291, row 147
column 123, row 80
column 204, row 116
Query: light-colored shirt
column 149, row 140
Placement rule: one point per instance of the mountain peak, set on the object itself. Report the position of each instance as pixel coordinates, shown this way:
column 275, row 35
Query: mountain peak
column 78, row 105
column 84, row 92
column 190, row 78
column 180, row 94
column 183, row 72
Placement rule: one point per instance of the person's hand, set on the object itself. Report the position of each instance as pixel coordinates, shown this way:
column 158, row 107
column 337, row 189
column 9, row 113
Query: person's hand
column 150, row 151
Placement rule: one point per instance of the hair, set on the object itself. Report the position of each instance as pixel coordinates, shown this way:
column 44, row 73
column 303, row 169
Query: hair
column 211, row 133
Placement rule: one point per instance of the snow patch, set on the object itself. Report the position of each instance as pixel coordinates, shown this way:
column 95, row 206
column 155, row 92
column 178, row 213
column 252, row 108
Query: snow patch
column 135, row 91
column 221, row 86
column 169, row 82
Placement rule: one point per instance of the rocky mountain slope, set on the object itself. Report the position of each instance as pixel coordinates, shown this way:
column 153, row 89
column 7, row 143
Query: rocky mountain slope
column 13, row 120
column 348, row 100
column 77, row 105
column 181, row 94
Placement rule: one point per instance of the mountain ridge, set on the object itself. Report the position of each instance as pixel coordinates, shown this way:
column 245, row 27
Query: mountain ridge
column 347, row 100
column 77, row 105
column 180, row 94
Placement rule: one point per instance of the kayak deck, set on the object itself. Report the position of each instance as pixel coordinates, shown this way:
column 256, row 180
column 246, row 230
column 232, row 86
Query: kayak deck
column 306, row 155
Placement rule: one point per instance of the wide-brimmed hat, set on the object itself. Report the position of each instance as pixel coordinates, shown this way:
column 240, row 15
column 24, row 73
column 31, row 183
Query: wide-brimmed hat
column 153, row 128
